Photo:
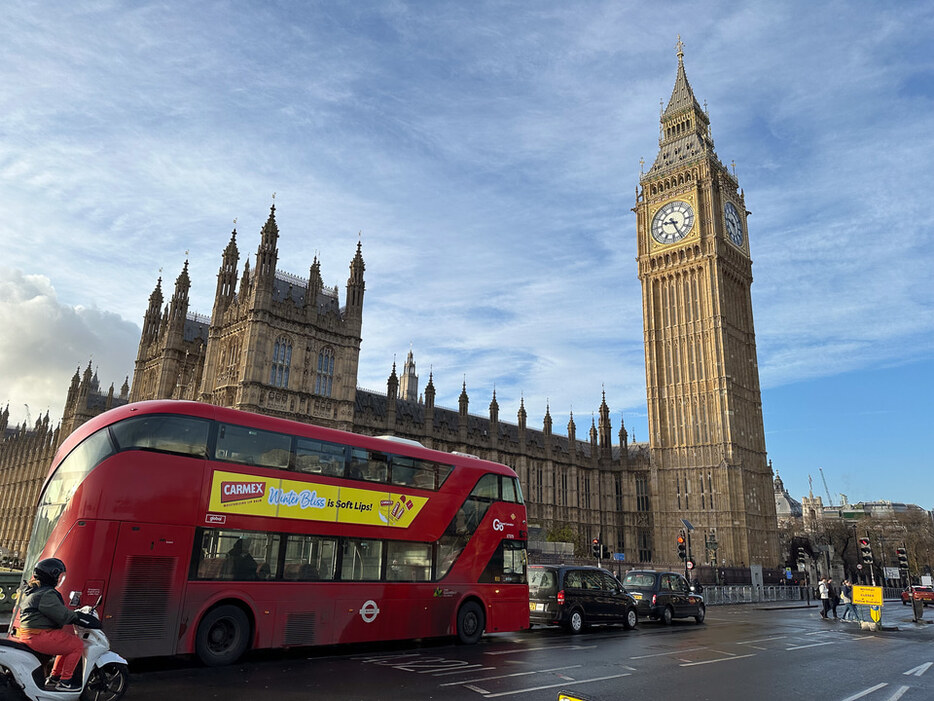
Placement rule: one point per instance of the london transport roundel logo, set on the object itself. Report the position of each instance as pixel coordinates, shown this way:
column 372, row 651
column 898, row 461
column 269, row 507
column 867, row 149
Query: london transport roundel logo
column 369, row 611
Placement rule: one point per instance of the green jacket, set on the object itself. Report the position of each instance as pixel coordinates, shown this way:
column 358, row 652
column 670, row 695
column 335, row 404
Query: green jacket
column 44, row 608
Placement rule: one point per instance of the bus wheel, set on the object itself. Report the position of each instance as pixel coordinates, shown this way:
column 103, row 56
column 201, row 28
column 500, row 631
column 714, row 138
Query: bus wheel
column 470, row 623
column 222, row 636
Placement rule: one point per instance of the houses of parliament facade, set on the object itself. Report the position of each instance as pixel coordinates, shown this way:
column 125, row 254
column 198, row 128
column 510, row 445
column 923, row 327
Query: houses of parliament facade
column 282, row 344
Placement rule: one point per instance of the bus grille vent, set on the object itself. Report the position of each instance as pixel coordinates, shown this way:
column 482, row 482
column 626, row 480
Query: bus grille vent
column 144, row 607
column 300, row 628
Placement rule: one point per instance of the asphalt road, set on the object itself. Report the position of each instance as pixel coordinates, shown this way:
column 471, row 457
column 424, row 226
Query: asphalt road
column 741, row 652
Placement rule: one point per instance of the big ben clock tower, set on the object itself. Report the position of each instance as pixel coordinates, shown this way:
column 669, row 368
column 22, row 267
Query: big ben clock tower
column 706, row 437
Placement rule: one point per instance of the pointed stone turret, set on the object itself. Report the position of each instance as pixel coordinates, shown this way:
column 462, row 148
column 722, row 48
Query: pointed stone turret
column 314, row 288
column 267, row 254
column 356, row 285
column 408, row 384
column 546, row 426
column 226, row 278
column 152, row 318
column 572, row 434
column 606, row 440
column 392, row 384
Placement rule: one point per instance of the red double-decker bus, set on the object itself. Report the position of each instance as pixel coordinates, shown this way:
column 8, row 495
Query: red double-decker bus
column 211, row 531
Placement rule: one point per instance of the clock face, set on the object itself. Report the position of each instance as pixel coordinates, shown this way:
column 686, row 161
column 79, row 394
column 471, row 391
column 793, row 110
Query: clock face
column 672, row 222
column 734, row 225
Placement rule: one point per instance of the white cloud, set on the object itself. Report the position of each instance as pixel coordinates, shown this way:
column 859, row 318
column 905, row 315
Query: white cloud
column 43, row 342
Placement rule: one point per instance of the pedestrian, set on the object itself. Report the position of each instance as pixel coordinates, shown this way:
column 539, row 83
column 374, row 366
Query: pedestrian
column 42, row 620
column 239, row 564
column 834, row 596
column 824, row 594
column 846, row 596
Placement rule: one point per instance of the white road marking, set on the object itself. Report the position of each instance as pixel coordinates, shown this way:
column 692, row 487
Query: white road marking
column 538, row 649
column 554, row 686
column 801, row 647
column 865, row 692
column 762, row 640
column 898, row 694
column 670, row 652
column 472, row 667
column 722, row 659
column 920, row 669
column 516, row 674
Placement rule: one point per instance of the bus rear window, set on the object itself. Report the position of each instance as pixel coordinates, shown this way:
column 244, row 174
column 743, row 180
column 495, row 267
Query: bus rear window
column 169, row 434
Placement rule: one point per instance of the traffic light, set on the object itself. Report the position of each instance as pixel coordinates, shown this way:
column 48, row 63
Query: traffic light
column 682, row 547
column 801, row 559
column 865, row 549
column 902, row 554
column 595, row 547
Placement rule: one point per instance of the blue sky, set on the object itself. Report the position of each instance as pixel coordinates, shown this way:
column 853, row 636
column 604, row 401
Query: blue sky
column 487, row 155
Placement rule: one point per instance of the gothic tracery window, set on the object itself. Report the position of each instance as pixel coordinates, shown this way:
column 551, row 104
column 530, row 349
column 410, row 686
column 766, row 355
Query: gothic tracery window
column 325, row 374
column 281, row 362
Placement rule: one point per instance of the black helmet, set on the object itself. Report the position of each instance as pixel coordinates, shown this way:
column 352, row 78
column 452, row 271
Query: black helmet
column 49, row 570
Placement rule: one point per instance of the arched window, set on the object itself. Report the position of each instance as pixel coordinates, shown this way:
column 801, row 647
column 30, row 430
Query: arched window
column 281, row 360
column 325, row 374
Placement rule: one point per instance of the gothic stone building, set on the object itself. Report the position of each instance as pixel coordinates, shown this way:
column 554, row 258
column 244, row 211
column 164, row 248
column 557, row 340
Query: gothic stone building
column 281, row 344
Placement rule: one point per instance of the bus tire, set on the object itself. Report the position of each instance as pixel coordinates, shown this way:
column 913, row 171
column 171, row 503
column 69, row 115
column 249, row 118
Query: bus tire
column 223, row 636
column 470, row 623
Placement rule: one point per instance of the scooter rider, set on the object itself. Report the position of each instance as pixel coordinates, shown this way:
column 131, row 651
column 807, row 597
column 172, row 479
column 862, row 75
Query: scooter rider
column 43, row 615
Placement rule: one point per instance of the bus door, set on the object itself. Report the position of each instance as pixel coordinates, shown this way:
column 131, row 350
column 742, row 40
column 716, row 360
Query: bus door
column 150, row 569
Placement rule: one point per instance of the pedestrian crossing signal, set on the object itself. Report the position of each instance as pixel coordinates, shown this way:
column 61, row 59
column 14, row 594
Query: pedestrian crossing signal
column 865, row 550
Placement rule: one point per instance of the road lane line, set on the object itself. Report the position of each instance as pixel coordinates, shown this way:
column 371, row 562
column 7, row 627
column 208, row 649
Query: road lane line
column 472, row 668
column 722, row 659
column 801, row 647
column 898, row 694
column 539, row 649
column 477, row 689
column 920, row 669
column 670, row 652
column 554, row 686
column 762, row 640
column 865, row 692
column 515, row 674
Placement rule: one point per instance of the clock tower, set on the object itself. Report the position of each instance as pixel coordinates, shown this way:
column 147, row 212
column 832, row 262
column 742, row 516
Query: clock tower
column 706, row 436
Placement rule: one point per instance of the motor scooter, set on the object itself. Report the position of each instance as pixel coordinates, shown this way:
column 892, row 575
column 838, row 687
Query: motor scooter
column 23, row 671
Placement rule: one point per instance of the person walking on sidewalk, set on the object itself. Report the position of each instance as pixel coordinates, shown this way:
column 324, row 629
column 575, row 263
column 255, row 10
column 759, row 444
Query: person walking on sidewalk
column 824, row 593
column 834, row 596
column 846, row 596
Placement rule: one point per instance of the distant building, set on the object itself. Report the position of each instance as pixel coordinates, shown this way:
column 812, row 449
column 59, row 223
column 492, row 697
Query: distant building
column 787, row 509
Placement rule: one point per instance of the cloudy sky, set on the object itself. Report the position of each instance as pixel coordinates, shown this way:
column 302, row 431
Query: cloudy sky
column 487, row 156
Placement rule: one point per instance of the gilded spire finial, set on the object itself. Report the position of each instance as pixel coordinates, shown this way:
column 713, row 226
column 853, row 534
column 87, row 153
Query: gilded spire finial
column 733, row 164
column 680, row 47
column 641, row 166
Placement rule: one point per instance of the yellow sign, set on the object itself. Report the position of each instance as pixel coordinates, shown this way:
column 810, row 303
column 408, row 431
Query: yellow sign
column 250, row 495
column 875, row 613
column 869, row 596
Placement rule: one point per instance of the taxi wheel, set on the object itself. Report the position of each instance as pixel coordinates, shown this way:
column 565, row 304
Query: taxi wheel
column 701, row 612
column 667, row 615
column 631, row 620
column 576, row 621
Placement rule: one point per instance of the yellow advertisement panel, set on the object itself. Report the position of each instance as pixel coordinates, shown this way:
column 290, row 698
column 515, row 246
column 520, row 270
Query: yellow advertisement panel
column 870, row 596
column 251, row 495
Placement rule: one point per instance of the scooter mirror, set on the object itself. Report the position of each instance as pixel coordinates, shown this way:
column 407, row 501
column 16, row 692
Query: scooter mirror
column 74, row 598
